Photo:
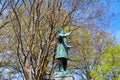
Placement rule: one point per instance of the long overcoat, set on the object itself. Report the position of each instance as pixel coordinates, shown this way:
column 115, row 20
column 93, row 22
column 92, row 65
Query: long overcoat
column 62, row 49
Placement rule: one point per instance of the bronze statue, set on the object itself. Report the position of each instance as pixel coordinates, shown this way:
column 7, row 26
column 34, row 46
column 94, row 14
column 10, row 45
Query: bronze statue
column 62, row 49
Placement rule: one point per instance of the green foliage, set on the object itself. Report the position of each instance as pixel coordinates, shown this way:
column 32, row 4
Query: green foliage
column 108, row 67
column 28, row 37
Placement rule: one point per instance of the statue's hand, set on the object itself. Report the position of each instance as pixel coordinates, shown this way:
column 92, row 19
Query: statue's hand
column 69, row 47
column 69, row 32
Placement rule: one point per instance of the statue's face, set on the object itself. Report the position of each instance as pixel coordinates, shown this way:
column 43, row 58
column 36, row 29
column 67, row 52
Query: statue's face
column 61, row 31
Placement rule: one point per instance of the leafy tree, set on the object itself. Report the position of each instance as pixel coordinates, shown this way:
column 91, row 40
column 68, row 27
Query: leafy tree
column 28, row 35
column 89, row 47
column 108, row 67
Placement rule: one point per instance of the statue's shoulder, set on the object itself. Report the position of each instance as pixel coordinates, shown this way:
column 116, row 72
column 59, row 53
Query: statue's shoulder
column 60, row 34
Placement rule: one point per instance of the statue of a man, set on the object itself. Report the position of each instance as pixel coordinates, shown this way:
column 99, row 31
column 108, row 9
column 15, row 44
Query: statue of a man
column 62, row 49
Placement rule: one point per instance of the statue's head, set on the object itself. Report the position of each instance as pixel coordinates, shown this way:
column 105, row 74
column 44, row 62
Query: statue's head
column 60, row 30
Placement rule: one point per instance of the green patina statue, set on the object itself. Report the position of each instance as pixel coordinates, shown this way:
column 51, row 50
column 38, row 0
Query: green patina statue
column 62, row 50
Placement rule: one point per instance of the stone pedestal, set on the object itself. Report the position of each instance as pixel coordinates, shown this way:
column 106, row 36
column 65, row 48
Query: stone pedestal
column 65, row 77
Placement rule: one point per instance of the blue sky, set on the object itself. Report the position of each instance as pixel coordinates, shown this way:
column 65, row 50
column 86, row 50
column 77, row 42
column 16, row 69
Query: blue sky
column 115, row 22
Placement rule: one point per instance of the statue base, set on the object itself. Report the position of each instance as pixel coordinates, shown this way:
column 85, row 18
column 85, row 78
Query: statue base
column 64, row 75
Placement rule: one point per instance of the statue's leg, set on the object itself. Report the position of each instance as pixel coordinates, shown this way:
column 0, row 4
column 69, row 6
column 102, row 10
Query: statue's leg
column 64, row 64
column 60, row 64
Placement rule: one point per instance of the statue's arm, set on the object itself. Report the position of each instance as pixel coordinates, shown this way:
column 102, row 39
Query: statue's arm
column 64, row 35
column 69, row 46
column 66, row 44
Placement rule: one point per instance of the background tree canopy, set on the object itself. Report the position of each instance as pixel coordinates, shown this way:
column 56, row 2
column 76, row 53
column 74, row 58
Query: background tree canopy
column 28, row 39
